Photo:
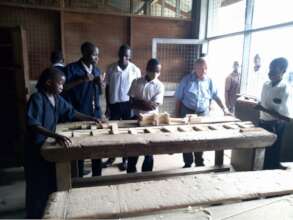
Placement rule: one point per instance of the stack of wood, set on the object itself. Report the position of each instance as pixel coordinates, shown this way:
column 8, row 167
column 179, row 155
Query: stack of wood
column 165, row 119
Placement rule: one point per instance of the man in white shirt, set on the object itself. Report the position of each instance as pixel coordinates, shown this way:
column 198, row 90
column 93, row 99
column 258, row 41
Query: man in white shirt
column 146, row 94
column 274, row 106
column 119, row 77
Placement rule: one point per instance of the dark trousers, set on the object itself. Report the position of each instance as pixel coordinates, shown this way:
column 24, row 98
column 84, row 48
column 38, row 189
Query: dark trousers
column 120, row 111
column 272, row 155
column 96, row 167
column 147, row 165
column 40, row 177
column 196, row 157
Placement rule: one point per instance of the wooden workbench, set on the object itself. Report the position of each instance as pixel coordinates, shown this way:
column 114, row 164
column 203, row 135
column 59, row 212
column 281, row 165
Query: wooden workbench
column 210, row 135
column 182, row 197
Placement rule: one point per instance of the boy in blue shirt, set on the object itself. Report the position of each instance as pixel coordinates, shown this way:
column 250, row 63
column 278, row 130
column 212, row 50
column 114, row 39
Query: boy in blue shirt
column 44, row 110
column 83, row 90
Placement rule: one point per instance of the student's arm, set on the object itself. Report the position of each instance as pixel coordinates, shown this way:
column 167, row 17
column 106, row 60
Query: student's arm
column 272, row 112
column 221, row 105
column 83, row 117
column 143, row 104
column 60, row 139
column 78, row 81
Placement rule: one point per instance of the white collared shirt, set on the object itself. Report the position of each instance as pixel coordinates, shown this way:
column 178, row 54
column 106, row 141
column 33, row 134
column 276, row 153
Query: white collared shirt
column 275, row 98
column 148, row 91
column 119, row 81
column 58, row 64
column 89, row 70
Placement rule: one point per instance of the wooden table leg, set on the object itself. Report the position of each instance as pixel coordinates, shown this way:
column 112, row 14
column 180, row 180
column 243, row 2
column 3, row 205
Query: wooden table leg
column 258, row 161
column 63, row 176
column 219, row 158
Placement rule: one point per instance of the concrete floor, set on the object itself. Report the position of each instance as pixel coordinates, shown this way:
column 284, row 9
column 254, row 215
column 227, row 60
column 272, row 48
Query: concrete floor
column 12, row 185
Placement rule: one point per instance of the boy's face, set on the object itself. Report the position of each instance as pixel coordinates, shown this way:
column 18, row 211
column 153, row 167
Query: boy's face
column 91, row 57
column 276, row 73
column 55, row 86
column 125, row 58
column 156, row 73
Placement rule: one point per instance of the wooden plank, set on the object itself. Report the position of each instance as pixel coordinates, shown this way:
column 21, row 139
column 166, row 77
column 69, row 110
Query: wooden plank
column 114, row 128
column 270, row 209
column 139, row 177
column 99, row 132
column 125, row 200
column 81, row 133
column 134, row 123
column 156, row 143
column 63, row 176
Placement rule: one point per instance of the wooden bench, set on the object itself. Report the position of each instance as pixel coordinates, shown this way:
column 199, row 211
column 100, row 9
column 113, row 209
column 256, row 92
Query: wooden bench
column 209, row 135
column 178, row 196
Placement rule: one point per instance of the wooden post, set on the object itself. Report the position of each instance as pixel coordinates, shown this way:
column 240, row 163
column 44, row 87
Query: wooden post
column 63, row 176
column 219, row 158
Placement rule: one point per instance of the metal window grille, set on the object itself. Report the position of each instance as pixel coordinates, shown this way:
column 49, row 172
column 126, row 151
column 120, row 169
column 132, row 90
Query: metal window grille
column 177, row 58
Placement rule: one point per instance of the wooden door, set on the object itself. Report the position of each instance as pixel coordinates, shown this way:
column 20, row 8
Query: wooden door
column 13, row 94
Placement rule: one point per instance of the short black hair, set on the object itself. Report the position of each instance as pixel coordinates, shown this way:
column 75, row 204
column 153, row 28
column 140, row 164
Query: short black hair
column 87, row 47
column 56, row 57
column 48, row 74
column 280, row 62
column 122, row 50
column 151, row 65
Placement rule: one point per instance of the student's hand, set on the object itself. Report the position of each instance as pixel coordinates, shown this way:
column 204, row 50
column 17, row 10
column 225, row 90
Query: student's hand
column 63, row 140
column 98, row 121
column 150, row 105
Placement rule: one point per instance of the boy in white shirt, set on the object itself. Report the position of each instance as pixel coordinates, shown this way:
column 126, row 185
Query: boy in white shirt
column 119, row 77
column 274, row 106
column 146, row 94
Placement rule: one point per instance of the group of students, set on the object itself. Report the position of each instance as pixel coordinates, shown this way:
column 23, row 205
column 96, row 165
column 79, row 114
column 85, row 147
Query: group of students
column 73, row 93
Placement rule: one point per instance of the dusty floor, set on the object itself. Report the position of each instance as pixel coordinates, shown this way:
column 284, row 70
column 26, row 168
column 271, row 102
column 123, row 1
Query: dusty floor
column 12, row 185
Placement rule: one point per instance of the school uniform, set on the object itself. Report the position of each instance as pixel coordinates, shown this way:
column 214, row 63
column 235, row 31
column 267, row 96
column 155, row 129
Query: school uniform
column 85, row 99
column 40, row 174
column 274, row 98
column 195, row 96
column 119, row 82
column 143, row 89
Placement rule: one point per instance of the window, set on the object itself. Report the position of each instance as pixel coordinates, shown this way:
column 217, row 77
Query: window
column 275, row 45
column 226, row 16
column 221, row 55
column 271, row 12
